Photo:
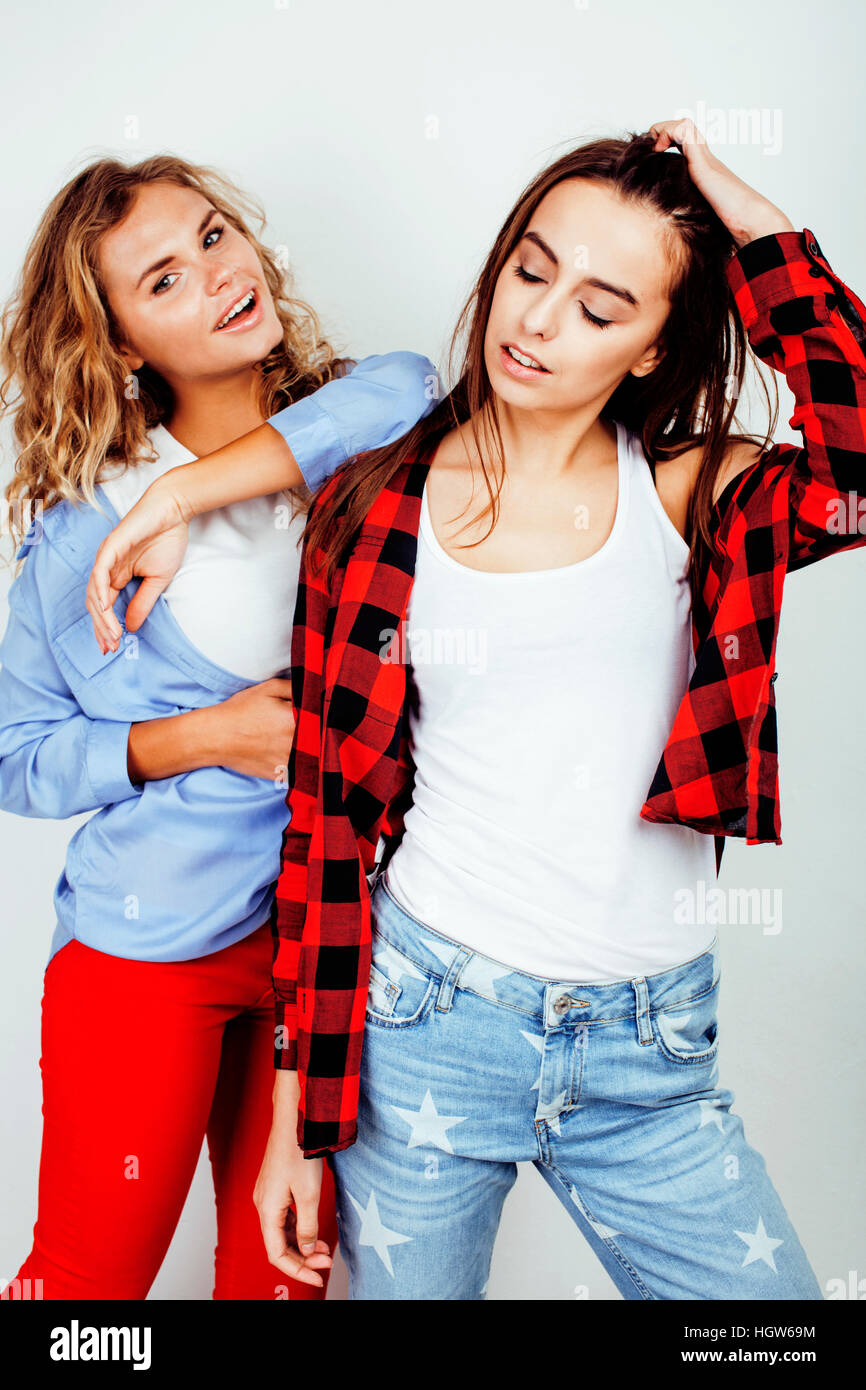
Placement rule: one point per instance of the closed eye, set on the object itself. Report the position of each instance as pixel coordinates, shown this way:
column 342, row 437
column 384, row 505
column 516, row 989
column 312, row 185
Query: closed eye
column 536, row 280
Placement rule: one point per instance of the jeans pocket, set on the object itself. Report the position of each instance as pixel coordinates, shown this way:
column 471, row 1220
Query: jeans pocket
column 401, row 992
column 688, row 1032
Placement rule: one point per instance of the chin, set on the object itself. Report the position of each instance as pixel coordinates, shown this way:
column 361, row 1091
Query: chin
column 507, row 389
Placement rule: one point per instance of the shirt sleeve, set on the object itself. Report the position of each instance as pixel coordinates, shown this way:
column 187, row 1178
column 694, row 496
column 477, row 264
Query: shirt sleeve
column 805, row 322
column 55, row 761
column 374, row 404
column 290, row 901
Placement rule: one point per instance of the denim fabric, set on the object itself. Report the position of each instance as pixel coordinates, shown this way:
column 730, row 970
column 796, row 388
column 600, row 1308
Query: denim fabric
column 610, row 1090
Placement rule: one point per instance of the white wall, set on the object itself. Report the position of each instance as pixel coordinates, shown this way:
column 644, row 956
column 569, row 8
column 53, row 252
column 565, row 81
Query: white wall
column 326, row 112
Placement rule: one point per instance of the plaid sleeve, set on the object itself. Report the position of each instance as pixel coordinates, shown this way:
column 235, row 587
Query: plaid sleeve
column 806, row 323
column 290, row 901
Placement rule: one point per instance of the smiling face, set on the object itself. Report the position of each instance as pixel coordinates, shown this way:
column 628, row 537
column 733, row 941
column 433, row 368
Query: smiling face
column 584, row 294
column 172, row 269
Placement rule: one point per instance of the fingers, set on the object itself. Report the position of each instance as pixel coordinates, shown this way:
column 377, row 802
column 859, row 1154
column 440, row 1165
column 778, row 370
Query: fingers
column 279, row 686
column 283, row 1256
column 141, row 603
column 105, row 624
column 307, row 1223
column 101, row 594
column 678, row 132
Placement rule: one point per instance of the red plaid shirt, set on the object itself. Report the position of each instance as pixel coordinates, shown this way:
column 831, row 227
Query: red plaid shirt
column 351, row 771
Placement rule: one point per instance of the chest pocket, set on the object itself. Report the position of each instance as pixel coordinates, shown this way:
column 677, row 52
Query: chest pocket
column 79, row 646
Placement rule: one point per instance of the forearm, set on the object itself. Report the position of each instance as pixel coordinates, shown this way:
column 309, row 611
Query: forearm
column 286, row 1094
column 255, row 465
column 305, row 442
column 805, row 322
column 171, row 745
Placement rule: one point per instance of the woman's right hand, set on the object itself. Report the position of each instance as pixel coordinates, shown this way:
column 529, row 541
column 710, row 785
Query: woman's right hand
column 288, row 1180
column 150, row 541
column 252, row 730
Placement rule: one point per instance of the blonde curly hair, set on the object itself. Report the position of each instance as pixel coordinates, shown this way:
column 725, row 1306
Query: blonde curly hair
column 73, row 413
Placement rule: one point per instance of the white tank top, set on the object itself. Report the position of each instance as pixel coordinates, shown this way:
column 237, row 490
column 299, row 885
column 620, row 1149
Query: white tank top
column 545, row 701
column 234, row 593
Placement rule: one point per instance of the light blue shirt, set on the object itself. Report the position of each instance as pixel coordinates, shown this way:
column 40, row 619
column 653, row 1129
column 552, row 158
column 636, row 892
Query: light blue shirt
column 183, row 866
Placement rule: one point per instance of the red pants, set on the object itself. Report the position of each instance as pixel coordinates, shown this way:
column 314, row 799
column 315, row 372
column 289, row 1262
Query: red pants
column 140, row 1061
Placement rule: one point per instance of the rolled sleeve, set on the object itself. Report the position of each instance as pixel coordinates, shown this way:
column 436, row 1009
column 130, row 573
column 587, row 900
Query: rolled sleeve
column 313, row 439
column 105, row 757
column 375, row 404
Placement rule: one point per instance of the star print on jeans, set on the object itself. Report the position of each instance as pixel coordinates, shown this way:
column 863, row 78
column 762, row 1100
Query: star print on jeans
column 761, row 1246
column 427, row 1125
column 392, row 964
column 373, row 1233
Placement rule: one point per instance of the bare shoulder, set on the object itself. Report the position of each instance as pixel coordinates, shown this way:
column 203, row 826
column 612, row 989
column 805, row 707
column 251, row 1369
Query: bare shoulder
column 676, row 478
column 740, row 455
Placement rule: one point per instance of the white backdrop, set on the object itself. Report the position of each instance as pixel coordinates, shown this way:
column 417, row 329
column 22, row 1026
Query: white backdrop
column 387, row 140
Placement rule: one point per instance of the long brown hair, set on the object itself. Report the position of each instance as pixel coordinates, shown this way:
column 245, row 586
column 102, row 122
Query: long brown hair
column 74, row 411
column 688, row 399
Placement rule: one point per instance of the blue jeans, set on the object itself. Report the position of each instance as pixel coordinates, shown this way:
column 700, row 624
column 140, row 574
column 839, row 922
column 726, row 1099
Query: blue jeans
column 610, row 1090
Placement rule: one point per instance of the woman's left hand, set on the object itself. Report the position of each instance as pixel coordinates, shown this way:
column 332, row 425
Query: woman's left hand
column 746, row 213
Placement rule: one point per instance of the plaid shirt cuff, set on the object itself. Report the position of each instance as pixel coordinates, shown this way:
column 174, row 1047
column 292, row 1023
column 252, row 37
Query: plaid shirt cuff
column 785, row 266
column 285, row 1036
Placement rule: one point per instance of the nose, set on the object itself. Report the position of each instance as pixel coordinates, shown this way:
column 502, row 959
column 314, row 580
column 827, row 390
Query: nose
column 539, row 319
column 220, row 275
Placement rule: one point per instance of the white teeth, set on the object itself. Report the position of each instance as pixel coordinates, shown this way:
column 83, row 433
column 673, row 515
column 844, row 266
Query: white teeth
column 523, row 360
column 241, row 304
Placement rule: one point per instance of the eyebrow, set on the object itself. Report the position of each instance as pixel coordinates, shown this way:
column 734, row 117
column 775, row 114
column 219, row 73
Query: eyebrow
column 166, row 260
column 618, row 290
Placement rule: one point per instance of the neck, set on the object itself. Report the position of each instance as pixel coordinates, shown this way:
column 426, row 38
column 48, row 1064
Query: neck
column 206, row 417
column 553, row 445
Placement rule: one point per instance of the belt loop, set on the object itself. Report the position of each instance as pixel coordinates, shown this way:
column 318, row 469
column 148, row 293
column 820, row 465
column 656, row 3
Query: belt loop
column 644, row 1026
column 449, row 979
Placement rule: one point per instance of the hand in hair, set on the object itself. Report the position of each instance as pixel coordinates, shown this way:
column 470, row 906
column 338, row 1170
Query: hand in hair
column 746, row 213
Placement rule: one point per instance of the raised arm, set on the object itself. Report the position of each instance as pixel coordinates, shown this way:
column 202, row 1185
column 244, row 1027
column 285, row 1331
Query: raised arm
column 374, row 404
column 805, row 322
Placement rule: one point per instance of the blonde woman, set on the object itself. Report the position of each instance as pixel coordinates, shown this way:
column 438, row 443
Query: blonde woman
column 151, row 326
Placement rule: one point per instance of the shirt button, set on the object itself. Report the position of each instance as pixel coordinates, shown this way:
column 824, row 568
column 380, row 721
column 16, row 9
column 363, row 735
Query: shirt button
column 815, row 270
column 814, row 248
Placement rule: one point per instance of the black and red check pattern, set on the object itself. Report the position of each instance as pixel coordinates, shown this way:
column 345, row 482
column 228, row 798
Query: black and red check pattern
column 351, row 771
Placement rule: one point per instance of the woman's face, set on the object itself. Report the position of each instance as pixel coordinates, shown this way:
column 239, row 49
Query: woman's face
column 581, row 238
column 172, row 269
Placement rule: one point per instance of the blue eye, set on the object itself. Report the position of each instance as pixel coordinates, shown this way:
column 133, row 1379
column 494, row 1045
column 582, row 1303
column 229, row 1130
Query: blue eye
column 536, row 280
column 213, row 231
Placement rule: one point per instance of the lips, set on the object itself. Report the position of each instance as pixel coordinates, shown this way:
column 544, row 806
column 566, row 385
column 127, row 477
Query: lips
column 517, row 370
column 534, row 360
column 231, row 304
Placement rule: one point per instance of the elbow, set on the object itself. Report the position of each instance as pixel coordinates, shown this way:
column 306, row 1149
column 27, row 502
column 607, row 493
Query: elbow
column 422, row 383
column 24, row 794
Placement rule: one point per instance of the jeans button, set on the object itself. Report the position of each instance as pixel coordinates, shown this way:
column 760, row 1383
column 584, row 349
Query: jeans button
column 562, row 1003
